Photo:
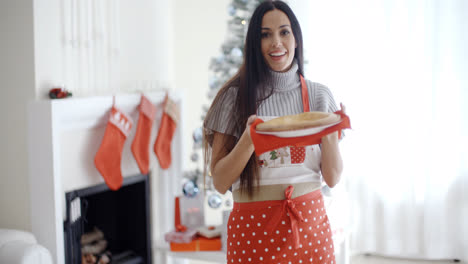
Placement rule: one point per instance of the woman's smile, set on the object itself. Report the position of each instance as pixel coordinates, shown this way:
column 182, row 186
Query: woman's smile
column 278, row 55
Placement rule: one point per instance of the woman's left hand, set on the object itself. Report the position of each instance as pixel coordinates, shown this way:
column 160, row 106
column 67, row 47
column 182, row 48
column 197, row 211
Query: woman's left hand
column 332, row 164
column 343, row 108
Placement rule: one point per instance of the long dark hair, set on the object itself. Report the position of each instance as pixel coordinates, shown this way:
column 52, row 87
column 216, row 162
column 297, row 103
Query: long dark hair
column 251, row 80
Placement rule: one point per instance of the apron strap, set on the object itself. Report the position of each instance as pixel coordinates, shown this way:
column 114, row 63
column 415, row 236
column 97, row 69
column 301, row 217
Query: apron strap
column 305, row 95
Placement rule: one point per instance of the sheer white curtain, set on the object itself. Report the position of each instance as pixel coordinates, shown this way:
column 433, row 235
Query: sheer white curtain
column 401, row 69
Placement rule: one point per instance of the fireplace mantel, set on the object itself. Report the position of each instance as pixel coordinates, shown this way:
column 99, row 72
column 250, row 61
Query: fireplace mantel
column 66, row 133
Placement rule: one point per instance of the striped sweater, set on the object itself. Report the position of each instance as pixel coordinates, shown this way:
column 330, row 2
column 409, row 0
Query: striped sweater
column 285, row 100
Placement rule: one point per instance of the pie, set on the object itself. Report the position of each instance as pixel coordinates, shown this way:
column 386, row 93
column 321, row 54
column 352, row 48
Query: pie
column 298, row 121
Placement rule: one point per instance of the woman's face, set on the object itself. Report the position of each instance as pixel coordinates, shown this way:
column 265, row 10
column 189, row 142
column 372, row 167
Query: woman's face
column 278, row 42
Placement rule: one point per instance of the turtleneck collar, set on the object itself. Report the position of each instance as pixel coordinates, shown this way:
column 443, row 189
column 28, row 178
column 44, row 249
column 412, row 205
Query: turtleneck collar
column 285, row 81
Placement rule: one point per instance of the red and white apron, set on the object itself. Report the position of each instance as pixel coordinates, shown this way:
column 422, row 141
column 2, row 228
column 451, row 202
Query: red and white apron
column 281, row 231
column 293, row 230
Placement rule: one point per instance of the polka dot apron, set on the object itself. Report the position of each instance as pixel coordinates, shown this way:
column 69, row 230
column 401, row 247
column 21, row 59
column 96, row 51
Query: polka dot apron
column 280, row 231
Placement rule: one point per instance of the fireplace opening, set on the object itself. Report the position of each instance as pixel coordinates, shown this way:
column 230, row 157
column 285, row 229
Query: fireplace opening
column 104, row 226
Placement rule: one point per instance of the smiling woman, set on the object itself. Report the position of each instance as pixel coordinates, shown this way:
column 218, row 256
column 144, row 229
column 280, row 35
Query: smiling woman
column 279, row 212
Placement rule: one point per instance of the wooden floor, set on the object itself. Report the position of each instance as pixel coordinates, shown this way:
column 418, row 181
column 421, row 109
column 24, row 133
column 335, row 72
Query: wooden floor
column 366, row 259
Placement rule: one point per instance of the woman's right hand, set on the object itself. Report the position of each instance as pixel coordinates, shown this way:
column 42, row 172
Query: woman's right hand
column 250, row 120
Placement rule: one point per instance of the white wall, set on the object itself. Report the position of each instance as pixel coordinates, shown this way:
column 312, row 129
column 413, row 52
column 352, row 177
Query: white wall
column 16, row 87
column 48, row 41
column 143, row 57
column 200, row 28
column 32, row 62
column 146, row 44
column 175, row 49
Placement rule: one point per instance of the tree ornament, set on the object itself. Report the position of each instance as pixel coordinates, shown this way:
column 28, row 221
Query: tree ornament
column 232, row 10
column 213, row 82
column 236, row 52
column 190, row 188
column 197, row 135
column 220, row 59
column 194, row 157
column 214, row 200
column 326, row 190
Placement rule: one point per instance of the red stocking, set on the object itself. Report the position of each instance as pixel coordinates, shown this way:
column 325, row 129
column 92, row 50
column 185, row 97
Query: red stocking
column 141, row 142
column 162, row 146
column 109, row 155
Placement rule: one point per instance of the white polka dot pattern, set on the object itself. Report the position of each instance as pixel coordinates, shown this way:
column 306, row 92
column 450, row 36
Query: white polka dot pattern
column 278, row 246
column 297, row 155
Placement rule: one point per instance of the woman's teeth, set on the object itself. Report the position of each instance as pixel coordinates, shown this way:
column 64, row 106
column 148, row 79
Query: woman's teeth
column 277, row 54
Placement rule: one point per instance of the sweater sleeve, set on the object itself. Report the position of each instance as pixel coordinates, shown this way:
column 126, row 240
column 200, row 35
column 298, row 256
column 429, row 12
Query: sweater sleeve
column 221, row 116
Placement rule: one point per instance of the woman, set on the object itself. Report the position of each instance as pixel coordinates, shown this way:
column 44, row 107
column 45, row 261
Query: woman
column 278, row 214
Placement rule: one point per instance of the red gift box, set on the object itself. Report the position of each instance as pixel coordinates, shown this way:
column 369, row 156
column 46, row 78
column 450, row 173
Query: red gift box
column 180, row 237
column 198, row 244
column 181, row 234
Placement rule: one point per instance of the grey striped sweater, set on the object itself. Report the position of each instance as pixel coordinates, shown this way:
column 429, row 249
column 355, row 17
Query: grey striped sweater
column 285, row 100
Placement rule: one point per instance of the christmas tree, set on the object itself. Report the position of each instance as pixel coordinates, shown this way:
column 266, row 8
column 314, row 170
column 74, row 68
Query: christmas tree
column 228, row 62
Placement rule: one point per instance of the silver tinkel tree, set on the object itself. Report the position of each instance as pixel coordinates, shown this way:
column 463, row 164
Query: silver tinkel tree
column 228, row 62
column 224, row 67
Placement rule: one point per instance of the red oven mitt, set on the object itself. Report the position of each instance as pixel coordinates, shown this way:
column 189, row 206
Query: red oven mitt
column 264, row 143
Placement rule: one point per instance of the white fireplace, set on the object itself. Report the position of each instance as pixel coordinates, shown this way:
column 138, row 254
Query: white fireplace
column 63, row 137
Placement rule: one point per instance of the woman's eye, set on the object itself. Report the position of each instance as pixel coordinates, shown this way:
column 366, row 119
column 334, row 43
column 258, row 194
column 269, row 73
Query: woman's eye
column 265, row 34
column 285, row 32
